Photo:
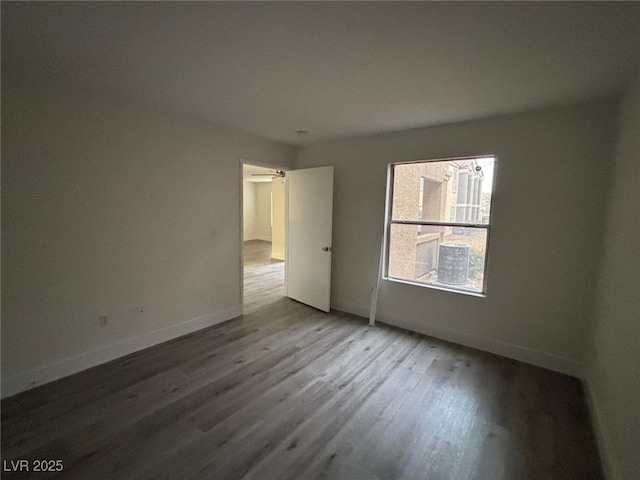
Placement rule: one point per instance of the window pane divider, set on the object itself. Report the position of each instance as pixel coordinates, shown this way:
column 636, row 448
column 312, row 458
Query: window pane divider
column 439, row 224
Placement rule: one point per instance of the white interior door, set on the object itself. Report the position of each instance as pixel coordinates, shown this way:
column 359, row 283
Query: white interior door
column 309, row 227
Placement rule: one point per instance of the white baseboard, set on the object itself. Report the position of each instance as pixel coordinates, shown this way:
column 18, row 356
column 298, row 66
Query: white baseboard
column 77, row 363
column 600, row 430
column 263, row 238
column 521, row 353
column 517, row 352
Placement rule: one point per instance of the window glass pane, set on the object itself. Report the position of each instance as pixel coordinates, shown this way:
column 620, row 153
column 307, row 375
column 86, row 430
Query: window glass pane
column 447, row 257
column 443, row 191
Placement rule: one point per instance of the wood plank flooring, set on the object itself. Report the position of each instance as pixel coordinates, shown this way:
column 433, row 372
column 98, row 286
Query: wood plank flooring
column 288, row 392
column 263, row 276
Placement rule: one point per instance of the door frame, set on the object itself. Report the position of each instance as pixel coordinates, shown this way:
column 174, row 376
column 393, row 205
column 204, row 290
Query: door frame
column 270, row 166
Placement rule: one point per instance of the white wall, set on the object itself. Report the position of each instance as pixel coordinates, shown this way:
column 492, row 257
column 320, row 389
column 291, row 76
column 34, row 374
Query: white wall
column 552, row 179
column 248, row 211
column 278, row 230
column 106, row 207
column 257, row 211
column 614, row 375
column 263, row 211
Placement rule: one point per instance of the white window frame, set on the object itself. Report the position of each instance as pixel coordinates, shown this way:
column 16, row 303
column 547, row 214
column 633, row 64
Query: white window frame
column 389, row 222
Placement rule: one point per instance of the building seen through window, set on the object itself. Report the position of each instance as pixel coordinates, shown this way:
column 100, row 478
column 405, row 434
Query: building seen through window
column 438, row 224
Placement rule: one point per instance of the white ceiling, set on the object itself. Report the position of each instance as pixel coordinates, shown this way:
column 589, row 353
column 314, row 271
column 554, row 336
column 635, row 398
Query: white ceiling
column 333, row 68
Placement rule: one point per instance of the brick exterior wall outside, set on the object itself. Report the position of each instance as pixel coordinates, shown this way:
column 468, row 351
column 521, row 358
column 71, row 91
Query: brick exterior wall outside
column 441, row 191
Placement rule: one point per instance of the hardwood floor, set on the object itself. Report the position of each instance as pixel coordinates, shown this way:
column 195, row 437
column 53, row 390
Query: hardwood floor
column 263, row 276
column 288, row 392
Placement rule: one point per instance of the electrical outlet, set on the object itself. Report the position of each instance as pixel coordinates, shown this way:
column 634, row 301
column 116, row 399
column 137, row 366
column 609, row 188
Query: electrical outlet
column 104, row 320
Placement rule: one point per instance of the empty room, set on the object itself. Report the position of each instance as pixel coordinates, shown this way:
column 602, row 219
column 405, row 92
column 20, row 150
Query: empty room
column 320, row 240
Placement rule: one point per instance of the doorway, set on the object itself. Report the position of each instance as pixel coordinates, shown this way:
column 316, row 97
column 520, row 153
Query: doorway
column 263, row 235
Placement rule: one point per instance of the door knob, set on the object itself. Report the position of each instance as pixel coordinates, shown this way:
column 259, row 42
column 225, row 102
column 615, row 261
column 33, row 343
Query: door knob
column 326, row 249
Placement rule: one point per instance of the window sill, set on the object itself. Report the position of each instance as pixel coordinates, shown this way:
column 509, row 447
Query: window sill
column 436, row 287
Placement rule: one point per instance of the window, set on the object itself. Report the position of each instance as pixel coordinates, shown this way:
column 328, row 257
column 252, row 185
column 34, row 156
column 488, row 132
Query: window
column 437, row 230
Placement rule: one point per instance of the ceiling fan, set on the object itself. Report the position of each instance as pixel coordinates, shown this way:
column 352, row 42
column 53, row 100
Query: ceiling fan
column 274, row 174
